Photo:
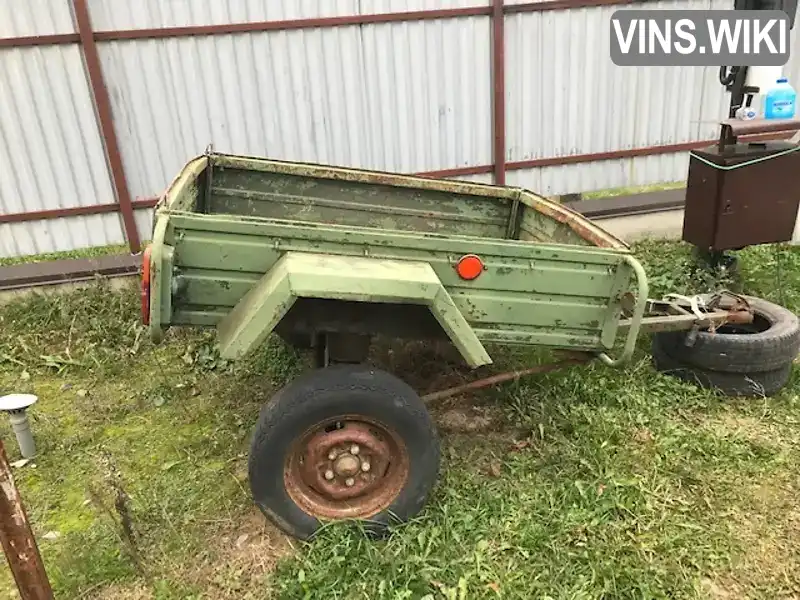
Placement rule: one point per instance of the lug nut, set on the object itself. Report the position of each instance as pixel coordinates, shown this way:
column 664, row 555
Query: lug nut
column 329, row 475
column 332, row 455
column 349, row 482
column 365, row 466
column 354, row 450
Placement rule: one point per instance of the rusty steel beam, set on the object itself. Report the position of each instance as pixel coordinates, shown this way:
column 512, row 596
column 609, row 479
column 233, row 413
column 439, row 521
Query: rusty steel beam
column 106, row 118
column 74, row 211
column 548, row 5
column 40, row 40
column 576, row 358
column 19, row 545
column 293, row 24
column 573, row 159
column 314, row 23
column 499, row 92
column 457, row 172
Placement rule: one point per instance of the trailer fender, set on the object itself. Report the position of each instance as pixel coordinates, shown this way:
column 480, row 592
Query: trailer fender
column 360, row 279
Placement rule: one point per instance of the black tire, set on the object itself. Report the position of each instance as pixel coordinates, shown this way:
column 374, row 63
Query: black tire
column 765, row 383
column 769, row 343
column 325, row 395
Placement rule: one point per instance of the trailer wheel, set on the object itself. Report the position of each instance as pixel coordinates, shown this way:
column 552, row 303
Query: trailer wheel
column 770, row 342
column 752, row 384
column 347, row 442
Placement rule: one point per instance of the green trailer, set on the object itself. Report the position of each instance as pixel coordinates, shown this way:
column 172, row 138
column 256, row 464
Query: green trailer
column 328, row 258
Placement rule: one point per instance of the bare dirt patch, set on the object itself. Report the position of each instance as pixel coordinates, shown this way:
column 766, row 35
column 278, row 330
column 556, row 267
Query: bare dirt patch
column 768, row 528
column 240, row 558
column 427, row 366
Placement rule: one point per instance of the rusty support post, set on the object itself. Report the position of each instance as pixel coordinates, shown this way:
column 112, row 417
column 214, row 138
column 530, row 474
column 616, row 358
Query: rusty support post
column 576, row 358
column 499, row 92
column 106, row 119
column 17, row 539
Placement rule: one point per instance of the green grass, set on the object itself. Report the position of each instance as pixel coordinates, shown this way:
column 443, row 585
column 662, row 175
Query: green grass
column 587, row 483
column 640, row 189
column 94, row 252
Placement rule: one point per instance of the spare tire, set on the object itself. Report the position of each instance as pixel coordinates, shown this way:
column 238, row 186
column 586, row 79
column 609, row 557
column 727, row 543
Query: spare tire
column 756, row 384
column 770, row 342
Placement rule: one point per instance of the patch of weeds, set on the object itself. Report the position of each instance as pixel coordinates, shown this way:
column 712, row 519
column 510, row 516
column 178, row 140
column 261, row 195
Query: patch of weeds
column 90, row 329
column 672, row 268
column 625, row 191
column 79, row 561
column 202, row 354
column 275, row 360
column 94, row 252
column 772, row 272
column 176, row 435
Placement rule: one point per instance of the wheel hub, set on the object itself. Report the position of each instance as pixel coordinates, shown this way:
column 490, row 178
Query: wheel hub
column 346, row 469
column 346, row 465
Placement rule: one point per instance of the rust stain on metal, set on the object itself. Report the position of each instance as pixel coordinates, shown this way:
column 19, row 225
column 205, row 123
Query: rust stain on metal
column 293, row 24
column 741, row 316
column 548, row 5
column 572, row 159
column 576, row 358
column 346, row 468
column 19, row 545
column 579, row 224
column 75, row 211
column 499, row 89
column 106, row 118
column 40, row 40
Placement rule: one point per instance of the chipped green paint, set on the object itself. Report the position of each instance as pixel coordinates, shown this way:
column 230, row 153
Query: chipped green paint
column 552, row 277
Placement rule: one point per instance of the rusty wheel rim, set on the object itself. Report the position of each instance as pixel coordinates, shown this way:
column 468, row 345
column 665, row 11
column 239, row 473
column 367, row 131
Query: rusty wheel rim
column 349, row 467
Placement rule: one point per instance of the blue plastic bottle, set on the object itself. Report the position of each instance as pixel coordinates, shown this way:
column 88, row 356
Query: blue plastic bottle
column 780, row 101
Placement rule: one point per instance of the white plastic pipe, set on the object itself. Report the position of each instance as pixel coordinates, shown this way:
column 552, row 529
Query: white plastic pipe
column 22, row 429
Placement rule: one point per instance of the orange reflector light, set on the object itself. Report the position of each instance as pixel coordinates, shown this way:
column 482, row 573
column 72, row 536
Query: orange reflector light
column 146, row 286
column 469, row 267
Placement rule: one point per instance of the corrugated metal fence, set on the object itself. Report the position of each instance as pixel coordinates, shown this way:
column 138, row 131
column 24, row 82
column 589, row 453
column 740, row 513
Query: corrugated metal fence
column 102, row 101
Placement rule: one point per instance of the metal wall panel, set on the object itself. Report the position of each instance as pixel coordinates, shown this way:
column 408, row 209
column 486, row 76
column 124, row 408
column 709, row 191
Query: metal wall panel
column 428, row 94
column 51, row 154
column 147, row 14
column 60, row 235
column 566, row 97
column 404, row 97
column 602, row 175
column 19, row 18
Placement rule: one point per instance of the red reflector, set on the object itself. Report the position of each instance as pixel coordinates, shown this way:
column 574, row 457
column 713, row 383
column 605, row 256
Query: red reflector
column 146, row 286
column 469, row 267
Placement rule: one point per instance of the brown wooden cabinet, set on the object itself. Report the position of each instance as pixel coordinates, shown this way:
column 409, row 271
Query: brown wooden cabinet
column 752, row 204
